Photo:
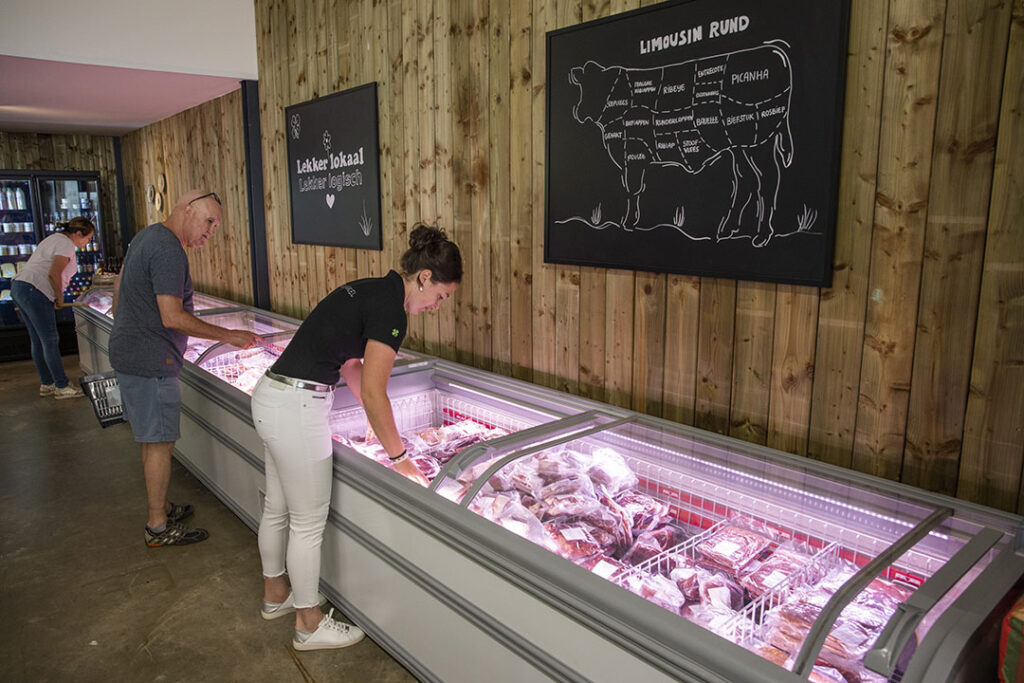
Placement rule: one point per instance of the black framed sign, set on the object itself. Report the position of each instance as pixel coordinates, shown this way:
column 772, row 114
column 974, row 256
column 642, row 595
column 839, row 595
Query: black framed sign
column 698, row 137
column 334, row 169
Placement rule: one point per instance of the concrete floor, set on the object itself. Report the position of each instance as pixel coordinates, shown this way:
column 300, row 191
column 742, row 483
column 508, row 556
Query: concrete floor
column 86, row 600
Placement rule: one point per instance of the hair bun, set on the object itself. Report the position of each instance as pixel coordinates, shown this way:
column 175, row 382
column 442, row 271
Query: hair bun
column 423, row 236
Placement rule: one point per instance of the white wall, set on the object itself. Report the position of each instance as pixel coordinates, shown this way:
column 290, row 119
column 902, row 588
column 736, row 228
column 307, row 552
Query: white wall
column 207, row 37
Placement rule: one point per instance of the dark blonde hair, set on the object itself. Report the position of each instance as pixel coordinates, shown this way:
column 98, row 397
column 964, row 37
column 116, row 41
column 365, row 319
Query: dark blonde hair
column 430, row 249
column 77, row 225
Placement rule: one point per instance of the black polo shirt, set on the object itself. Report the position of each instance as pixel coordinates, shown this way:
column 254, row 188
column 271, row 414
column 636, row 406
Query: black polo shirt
column 338, row 328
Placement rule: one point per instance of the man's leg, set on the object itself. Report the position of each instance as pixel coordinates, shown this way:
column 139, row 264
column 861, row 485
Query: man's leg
column 156, row 467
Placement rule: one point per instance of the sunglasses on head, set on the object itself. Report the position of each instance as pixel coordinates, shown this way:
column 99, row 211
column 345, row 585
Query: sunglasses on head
column 208, row 194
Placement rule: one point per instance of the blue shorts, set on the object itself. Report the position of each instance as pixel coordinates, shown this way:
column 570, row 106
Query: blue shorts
column 152, row 406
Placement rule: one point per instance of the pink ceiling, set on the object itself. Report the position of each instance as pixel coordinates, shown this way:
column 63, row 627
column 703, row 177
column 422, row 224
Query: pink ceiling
column 43, row 96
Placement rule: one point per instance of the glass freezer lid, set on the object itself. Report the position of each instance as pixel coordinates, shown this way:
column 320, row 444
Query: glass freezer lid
column 99, row 298
column 238, row 320
column 438, row 421
column 735, row 541
column 242, row 368
column 206, row 302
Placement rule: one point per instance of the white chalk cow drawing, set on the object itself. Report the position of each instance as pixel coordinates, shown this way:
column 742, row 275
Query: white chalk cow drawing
column 689, row 115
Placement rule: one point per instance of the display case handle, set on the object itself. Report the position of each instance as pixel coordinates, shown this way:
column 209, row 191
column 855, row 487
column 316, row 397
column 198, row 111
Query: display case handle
column 823, row 624
column 882, row 658
column 474, row 452
column 482, row 479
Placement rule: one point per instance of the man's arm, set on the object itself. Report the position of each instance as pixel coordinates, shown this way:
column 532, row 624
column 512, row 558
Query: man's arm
column 176, row 318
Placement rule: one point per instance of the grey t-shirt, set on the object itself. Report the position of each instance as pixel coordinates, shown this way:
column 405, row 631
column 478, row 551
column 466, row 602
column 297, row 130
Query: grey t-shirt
column 140, row 345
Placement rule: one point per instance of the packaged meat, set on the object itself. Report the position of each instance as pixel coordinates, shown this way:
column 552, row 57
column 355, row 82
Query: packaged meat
column 512, row 515
column 652, row 543
column 687, row 578
column 610, row 525
column 715, row 619
column 733, row 547
column 655, row 588
column 645, row 512
column 609, row 469
column 772, row 654
column 604, row 566
column 773, row 572
column 523, row 476
column 578, row 484
column 718, row 590
column 826, row 674
column 624, row 526
column 569, row 504
column 561, row 463
column 572, row 541
column 427, row 465
column 854, row 631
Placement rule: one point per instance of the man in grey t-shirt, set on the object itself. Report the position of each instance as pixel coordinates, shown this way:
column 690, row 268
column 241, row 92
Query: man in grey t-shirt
column 152, row 323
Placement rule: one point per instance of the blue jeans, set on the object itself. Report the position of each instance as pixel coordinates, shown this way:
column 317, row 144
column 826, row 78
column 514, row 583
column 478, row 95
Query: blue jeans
column 38, row 313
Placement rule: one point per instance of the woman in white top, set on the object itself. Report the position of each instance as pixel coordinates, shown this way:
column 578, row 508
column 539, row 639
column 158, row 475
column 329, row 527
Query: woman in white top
column 38, row 290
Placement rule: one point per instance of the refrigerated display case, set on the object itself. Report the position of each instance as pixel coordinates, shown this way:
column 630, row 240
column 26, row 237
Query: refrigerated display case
column 564, row 539
column 94, row 321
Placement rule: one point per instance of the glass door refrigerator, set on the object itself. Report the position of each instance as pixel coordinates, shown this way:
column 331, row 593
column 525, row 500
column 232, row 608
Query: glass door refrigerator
column 32, row 204
column 63, row 196
column 18, row 239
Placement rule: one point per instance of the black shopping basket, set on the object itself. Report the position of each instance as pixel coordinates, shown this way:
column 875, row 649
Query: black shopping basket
column 105, row 394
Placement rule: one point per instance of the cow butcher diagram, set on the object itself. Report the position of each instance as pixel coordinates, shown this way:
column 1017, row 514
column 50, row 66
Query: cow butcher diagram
column 732, row 106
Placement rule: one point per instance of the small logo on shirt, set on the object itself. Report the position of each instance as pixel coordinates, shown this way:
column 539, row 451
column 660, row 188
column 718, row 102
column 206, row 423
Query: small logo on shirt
column 394, row 333
column 350, row 290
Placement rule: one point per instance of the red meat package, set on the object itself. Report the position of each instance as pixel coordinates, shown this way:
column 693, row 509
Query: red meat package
column 778, row 571
column 718, row 590
column 572, row 541
column 609, row 470
column 579, row 484
column 715, row 619
column 569, row 504
column 604, row 566
column 652, row 543
column 687, row 576
column 732, row 548
column 561, row 463
column 657, row 589
column 645, row 512
column 509, row 513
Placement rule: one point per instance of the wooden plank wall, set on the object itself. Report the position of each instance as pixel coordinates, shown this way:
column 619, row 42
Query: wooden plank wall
column 201, row 148
column 911, row 366
column 52, row 152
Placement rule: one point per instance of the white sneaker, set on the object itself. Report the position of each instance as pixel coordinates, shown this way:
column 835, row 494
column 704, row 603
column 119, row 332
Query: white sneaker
column 273, row 610
column 328, row 635
column 47, row 389
column 70, row 391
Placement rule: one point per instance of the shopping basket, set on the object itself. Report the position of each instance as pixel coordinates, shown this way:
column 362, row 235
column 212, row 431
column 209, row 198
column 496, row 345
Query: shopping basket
column 105, row 394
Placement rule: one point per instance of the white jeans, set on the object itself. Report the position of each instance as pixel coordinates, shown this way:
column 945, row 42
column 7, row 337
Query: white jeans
column 297, row 447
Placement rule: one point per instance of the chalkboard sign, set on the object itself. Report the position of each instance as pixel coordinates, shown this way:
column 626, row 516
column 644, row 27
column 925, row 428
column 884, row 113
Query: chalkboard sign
column 698, row 137
column 333, row 169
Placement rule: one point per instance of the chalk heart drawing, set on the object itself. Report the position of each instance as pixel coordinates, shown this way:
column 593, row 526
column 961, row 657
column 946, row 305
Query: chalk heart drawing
column 330, row 201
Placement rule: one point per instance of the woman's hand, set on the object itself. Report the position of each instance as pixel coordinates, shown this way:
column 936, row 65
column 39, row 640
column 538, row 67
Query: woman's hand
column 407, row 468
